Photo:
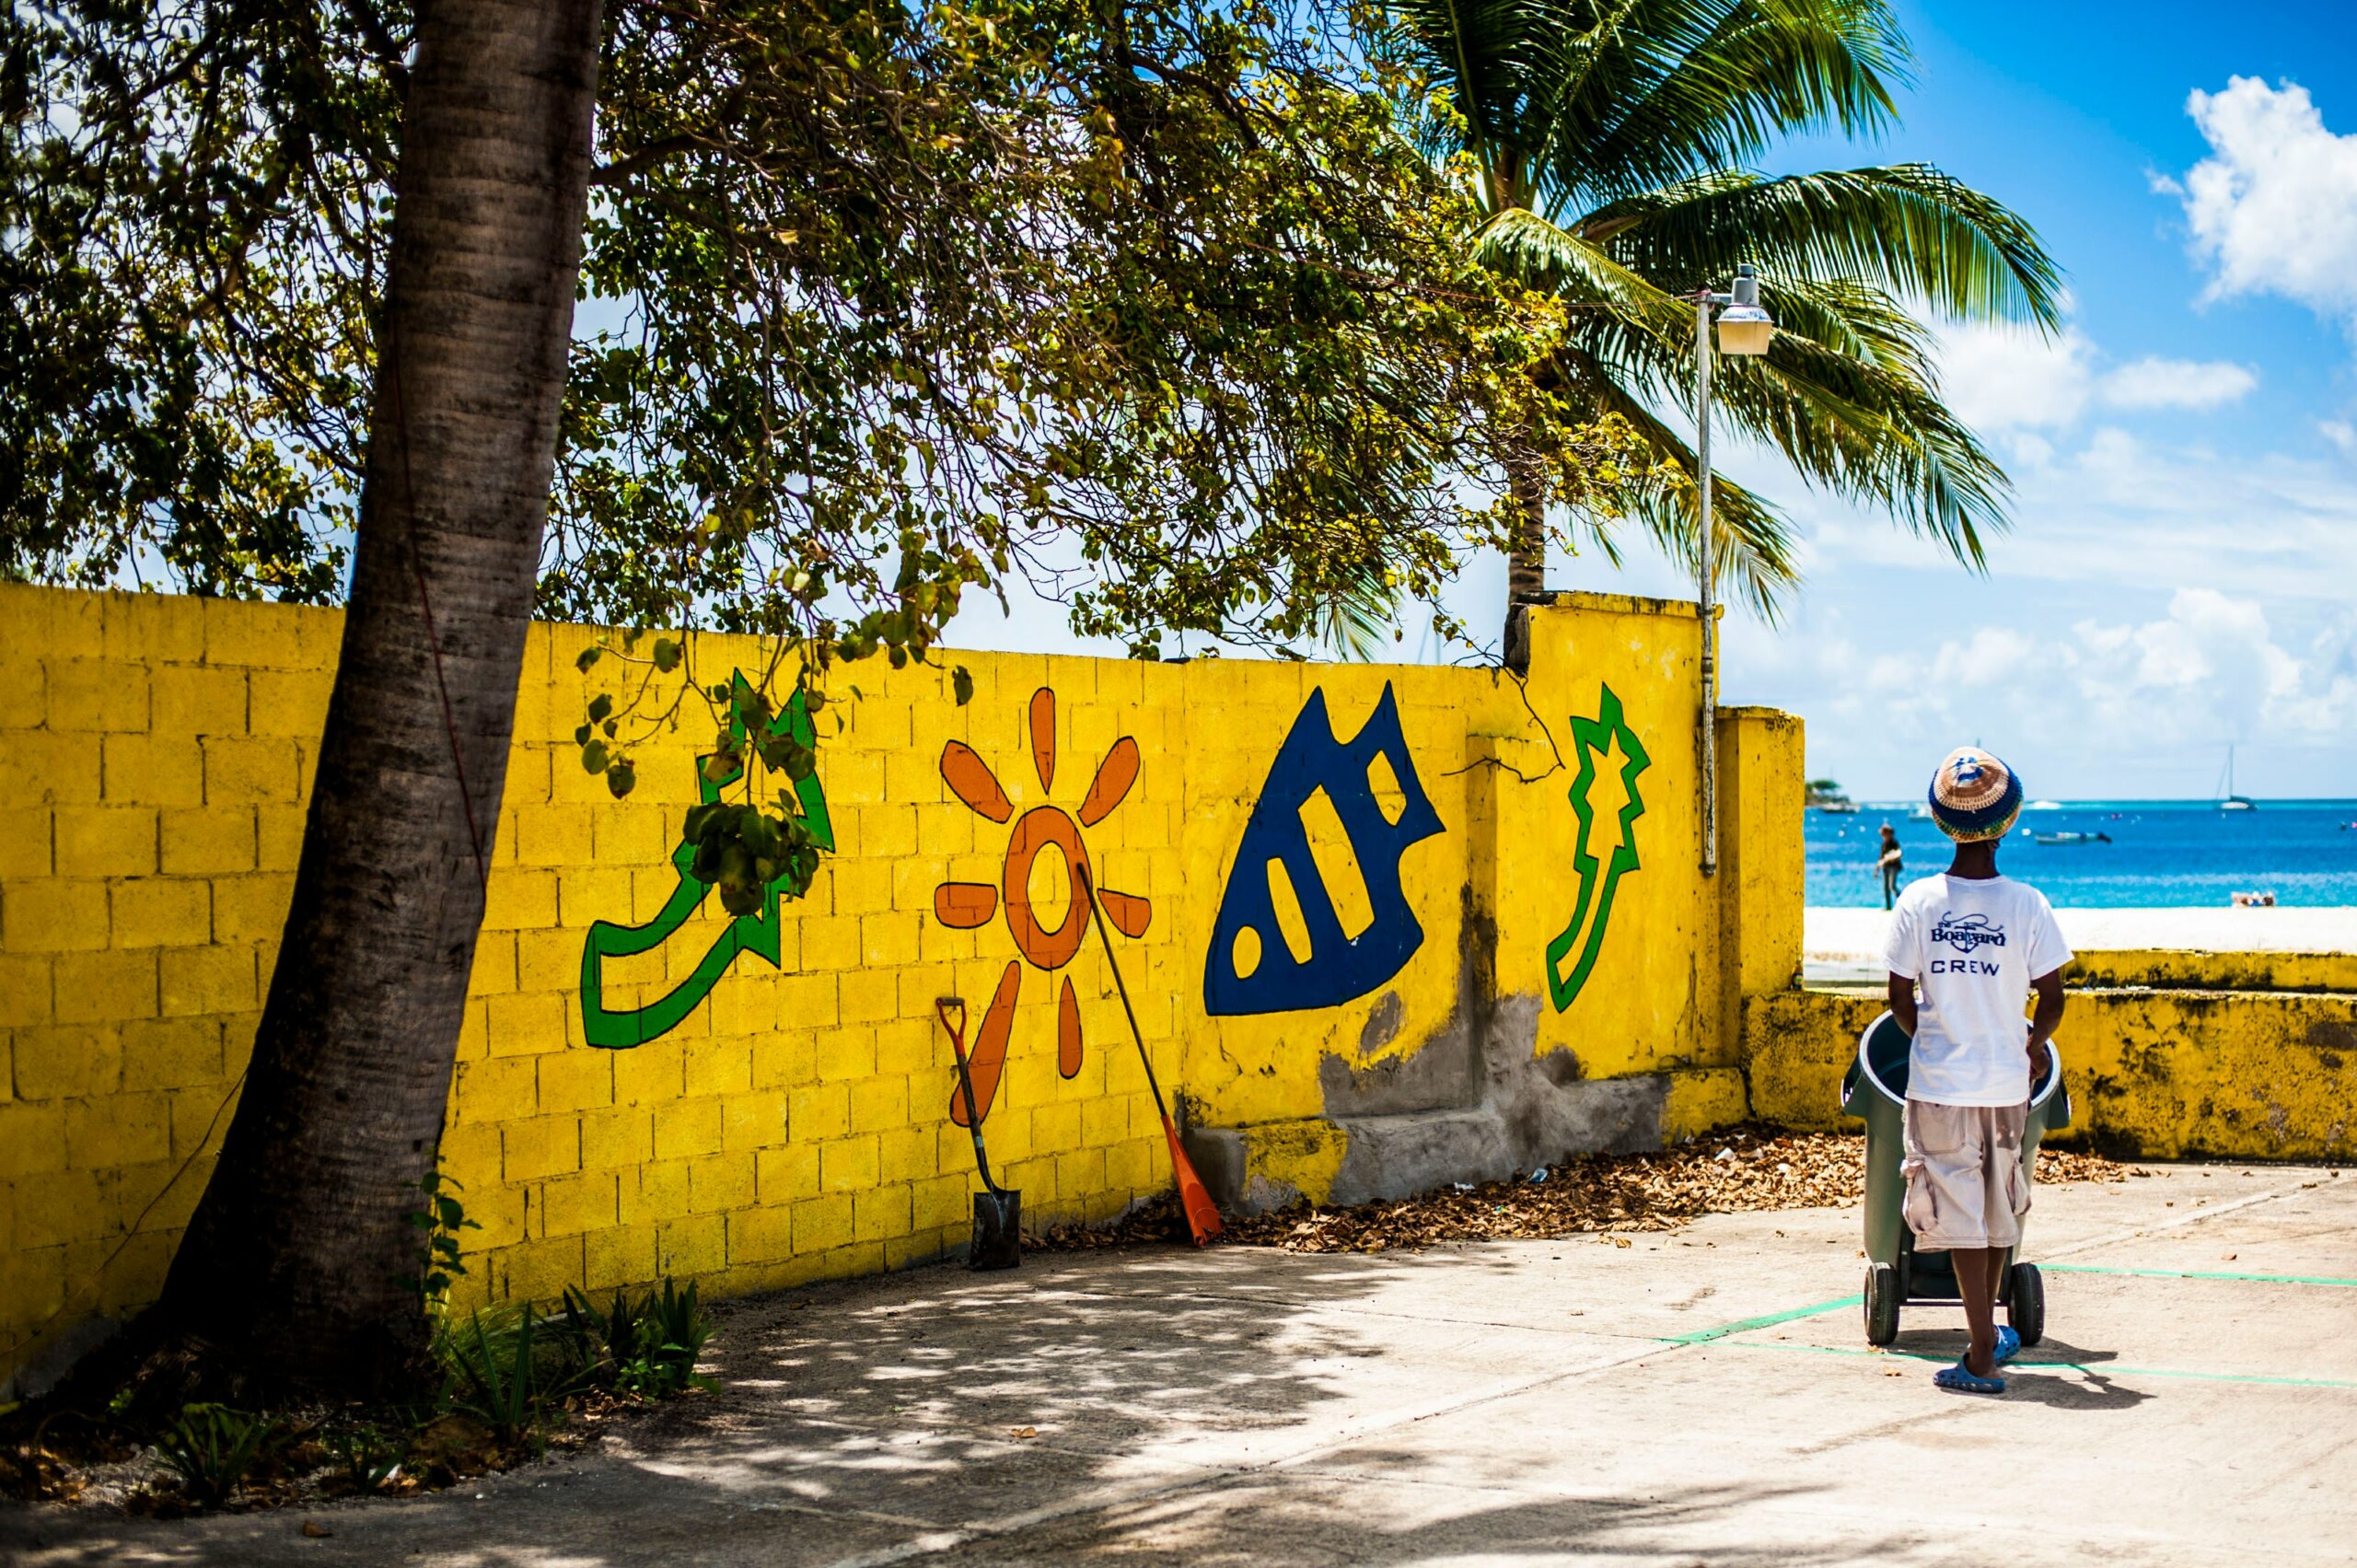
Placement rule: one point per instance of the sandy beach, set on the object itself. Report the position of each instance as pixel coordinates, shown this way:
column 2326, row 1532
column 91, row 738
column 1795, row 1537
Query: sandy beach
column 1852, row 937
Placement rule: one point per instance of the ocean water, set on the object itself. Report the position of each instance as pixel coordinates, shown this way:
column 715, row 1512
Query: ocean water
column 2163, row 854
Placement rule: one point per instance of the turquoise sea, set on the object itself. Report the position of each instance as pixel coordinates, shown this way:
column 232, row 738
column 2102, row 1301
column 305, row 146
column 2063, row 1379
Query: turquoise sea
column 2162, row 853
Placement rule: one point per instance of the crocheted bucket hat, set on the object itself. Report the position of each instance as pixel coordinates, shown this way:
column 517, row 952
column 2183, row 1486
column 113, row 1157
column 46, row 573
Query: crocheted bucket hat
column 1974, row 796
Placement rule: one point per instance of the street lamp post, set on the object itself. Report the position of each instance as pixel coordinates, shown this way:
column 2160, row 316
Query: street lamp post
column 1744, row 329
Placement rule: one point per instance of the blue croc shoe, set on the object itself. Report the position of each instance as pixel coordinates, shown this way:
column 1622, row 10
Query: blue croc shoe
column 1961, row 1379
column 2009, row 1345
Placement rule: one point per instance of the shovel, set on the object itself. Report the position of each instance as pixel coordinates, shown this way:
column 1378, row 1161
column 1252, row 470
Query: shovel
column 998, row 1214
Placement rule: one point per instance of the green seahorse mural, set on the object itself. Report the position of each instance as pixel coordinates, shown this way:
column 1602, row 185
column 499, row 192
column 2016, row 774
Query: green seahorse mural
column 755, row 932
column 1599, row 875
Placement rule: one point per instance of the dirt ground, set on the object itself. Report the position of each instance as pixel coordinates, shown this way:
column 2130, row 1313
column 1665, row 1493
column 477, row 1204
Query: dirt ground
column 1697, row 1395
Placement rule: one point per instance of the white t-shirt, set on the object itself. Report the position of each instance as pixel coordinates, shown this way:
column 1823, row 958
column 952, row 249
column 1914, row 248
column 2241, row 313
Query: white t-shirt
column 1972, row 948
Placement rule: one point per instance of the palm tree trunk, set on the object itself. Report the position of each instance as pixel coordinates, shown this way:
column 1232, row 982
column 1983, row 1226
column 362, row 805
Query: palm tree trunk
column 1527, row 559
column 298, row 1265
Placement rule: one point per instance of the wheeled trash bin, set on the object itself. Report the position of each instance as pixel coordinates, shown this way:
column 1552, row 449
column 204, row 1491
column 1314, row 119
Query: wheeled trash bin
column 1876, row 1090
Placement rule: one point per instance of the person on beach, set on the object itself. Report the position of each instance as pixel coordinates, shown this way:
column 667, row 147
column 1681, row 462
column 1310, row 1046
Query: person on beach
column 1974, row 943
column 1891, row 864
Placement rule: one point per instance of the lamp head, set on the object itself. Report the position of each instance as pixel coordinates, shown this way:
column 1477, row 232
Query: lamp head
column 1744, row 326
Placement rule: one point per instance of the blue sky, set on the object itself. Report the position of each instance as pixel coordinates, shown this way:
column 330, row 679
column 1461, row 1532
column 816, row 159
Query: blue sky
column 2183, row 572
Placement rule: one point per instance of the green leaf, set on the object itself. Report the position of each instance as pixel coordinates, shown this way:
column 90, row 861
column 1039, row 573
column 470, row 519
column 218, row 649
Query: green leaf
column 961, row 685
column 593, row 757
column 589, row 655
column 621, row 779
column 600, row 706
column 666, row 654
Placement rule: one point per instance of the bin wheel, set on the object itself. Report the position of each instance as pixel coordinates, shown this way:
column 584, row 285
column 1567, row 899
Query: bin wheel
column 1882, row 1303
column 2026, row 1303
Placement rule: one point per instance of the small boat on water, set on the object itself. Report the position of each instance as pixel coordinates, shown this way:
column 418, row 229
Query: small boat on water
column 2227, row 799
column 2043, row 806
column 2071, row 838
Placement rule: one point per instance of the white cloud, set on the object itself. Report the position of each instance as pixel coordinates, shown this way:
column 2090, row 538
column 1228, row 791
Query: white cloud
column 2009, row 382
column 2273, row 208
column 2341, row 433
column 2177, row 383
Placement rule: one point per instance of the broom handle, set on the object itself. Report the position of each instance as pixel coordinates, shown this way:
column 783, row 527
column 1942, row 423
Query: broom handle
column 1088, row 885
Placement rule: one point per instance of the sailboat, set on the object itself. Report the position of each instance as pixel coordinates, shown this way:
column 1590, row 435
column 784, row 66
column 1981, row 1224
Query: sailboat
column 2227, row 799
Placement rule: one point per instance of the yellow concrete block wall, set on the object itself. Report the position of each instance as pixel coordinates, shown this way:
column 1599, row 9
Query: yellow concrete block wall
column 794, row 1120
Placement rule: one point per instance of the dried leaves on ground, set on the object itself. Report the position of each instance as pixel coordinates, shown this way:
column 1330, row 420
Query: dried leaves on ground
column 1743, row 1169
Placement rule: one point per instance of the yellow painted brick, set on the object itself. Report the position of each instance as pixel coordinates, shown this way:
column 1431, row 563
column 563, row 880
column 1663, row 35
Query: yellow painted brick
column 848, row 1164
column 787, row 1174
column 652, row 1074
column 494, row 975
column 760, row 1236
column 944, row 1201
column 718, row 1066
column 39, row 768
column 618, row 1255
column 754, row 1119
column 720, row 1181
column 105, row 840
column 194, row 699
column 27, row 993
column 627, row 834
column 474, row 1033
column 548, row 960
column 539, row 1146
column 551, row 835
column 623, row 1136
column 292, row 703
column 907, row 1154
column 821, row 1225
column 72, row 1206
column 817, row 1112
column 861, row 885
column 538, row 1271
column 587, row 893
column 32, row 1140
column 151, row 770
column 502, row 1211
column 784, row 1061
column 53, row 916
column 571, row 1205
column 200, row 1115
column 32, row 1289
column 58, row 1062
column 889, row 831
column 697, row 1245
column 576, row 1080
column 250, row 909
column 659, row 1193
column 687, row 1128
column 469, row 1155
column 251, row 771
column 162, row 912
column 847, row 1053
column 27, row 837
column 1130, row 1166
column 96, row 694
column 892, row 938
column 869, row 996
column 208, row 841
column 118, row 1130
column 1080, row 1174
column 807, row 1001
column 106, row 987
column 878, row 1213
column 829, row 944
column 520, row 901
column 278, row 837
column 1055, row 1128
column 879, row 1103
column 526, row 1025
column 1103, row 1123
column 207, row 980
column 498, row 1088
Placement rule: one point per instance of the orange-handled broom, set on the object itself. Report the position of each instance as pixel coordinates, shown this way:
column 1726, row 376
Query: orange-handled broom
column 1203, row 1214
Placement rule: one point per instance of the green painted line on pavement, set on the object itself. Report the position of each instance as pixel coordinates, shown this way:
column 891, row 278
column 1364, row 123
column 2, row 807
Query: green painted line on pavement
column 1746, row 1325
column 2198, row 1274
column 2103, row 1371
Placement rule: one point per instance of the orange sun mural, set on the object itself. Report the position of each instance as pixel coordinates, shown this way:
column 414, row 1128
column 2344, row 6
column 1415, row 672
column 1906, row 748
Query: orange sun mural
column 967, row 905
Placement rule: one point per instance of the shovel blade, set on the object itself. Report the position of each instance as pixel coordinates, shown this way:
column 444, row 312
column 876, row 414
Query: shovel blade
column 998, row 1231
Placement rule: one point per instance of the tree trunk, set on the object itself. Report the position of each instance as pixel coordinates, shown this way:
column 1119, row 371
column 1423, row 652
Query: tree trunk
column 299, row 1266
column 1525, row 562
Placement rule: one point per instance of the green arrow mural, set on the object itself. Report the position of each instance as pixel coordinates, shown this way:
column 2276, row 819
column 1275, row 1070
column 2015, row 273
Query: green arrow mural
column 756, row 933
column 1599, row 874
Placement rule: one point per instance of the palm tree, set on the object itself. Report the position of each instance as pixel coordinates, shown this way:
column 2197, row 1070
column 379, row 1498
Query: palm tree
column 1609, row 143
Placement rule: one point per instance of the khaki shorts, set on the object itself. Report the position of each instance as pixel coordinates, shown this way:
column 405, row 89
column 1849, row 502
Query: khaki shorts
column 1966, row 1186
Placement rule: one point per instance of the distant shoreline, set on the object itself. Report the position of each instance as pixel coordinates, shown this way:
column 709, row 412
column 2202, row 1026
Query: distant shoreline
column 1845, row 935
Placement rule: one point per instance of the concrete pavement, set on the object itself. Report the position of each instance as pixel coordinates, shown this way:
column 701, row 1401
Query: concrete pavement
column 1703, row 1396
